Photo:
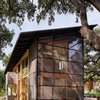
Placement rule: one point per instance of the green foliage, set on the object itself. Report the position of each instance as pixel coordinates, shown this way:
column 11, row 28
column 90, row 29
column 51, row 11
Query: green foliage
column 2, row 92
column 48, row 8
column 13, row 11
column 16, row 11
column 92, row 63
column 2, row 83
column 6, row 59
column 5, row 38
column 96, row 93
column 97, row 30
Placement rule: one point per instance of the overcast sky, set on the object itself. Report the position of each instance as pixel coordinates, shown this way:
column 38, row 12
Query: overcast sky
column 67, row 20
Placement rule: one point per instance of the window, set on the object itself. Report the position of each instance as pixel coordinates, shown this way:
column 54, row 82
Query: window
column 60, row 68
column 45, row 92
column 25, row 67
column 75, row 50
column 46, row 65
column 44, row 51
column 75, row 68
column 48, row 81
column 60, row 53
column 60, row 82
column 59, row 93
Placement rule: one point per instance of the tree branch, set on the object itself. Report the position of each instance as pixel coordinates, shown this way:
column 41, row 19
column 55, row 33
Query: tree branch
column 95, row 3
column 90, row 35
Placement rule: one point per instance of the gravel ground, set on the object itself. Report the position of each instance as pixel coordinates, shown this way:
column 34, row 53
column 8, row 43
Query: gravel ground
column 88, row 98
column 3, row 98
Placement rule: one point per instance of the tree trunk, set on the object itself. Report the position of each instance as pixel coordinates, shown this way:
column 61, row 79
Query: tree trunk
column 88, row 34
column 91, row 36
column 95, row 3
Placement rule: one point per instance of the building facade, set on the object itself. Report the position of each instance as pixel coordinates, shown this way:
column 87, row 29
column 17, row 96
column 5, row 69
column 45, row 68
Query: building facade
column 48, row 65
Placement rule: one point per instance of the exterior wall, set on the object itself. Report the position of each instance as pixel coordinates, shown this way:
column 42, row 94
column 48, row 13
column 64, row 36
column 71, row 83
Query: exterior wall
column 54, row 69
column 33, row 71
column 11, row 84
column 14, row 80
column 25, row 76
column 60, row 68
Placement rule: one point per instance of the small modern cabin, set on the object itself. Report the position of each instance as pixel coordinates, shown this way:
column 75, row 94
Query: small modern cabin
column 46, row 65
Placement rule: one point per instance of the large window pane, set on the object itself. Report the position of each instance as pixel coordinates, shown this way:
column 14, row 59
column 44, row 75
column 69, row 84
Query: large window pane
column 75, row 50
column 73, row 93
column 60, row 66
column 60, row 53
column 24, row 89
column 60, row 82
column 75, row 43
column 59, row 93
column 75, row 68
column 75, row 56
column 44, row 51
column 46, row 79
column 74, row 80
column 45, row 92
column 46, row 40
column 46, row 65
column 60, row 41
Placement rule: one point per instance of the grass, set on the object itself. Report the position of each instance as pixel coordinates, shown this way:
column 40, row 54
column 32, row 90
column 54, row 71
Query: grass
column 96, row 93
column 2, row 92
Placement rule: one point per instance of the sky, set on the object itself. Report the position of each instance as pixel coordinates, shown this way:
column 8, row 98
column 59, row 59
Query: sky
column 67, row 20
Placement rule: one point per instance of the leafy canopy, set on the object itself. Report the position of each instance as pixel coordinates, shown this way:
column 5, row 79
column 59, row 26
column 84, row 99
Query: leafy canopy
column 91, row 61
column 13, row 11
column 51, row 7
column 2, row 82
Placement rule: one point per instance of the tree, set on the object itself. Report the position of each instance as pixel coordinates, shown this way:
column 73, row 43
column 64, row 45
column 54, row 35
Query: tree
column 12, row 11
column 91, row 63
column 2, row 83
column 5, row 34
column 79, row 7
column 5, row 39
column 15, row 11
column 5, row 59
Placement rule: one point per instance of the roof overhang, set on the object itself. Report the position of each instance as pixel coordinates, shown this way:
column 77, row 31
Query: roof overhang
column 26, row 38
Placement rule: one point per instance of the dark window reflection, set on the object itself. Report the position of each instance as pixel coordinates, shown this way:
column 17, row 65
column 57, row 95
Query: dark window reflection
column 75, row 50
column 75, row 68
column 45, row 92
column 60, row 68
column 59, row 93
column 46, row 65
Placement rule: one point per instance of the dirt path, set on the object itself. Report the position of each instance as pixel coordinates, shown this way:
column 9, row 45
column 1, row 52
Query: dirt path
column 88, row 98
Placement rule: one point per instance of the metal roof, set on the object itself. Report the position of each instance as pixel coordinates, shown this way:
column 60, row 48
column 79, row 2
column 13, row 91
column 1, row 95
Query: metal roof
column 26, row 38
